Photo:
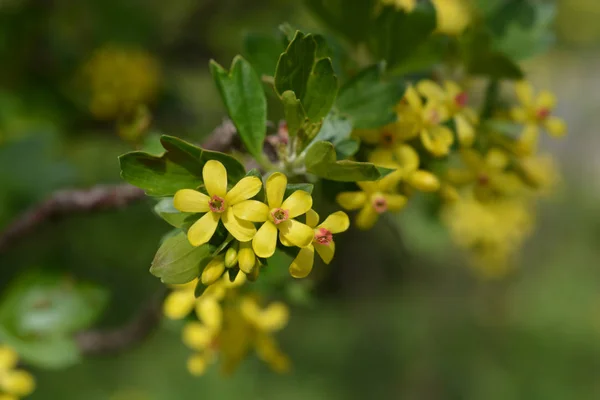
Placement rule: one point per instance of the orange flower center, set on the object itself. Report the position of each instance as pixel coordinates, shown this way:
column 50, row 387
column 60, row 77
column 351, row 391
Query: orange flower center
column 323, row 236
column 216, row 204
column 380, row 205
column 434, row 117
column 280, row 215
column 387, row 138
column 461, row 99
column 483, row 179
column 543, row 113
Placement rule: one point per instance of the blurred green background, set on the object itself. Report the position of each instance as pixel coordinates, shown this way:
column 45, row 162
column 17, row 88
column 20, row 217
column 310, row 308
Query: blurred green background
column 395, row 322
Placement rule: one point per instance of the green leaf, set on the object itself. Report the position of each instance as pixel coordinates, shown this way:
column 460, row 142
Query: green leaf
column 263, row 52
column 295, row 65
column 292, row 187
column 369, row 100
column 43, row 304
column 350, row 18
column 179, row 167
column 177, row 261
column 321, row 161
column 335, row 129
column 321, row 90
column 347, row 148
column 243, row 95
column 167, row 211
column 295, row 116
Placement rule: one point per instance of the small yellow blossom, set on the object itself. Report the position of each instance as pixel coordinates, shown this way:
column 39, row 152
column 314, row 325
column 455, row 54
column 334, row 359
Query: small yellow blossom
column 453, row 16
column 322, row 241
column 14, row 383
column 374, row 199
column 536, row 111
column 425, row 119
column 278, row 215
column 455, row 99
column 218, row 205
column 540, row 172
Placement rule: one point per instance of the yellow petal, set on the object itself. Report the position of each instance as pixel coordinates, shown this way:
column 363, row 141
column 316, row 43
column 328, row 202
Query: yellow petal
column 8, row 358
column 464, row 131
column 246, row 257
column 298, row 203
column 326, row 252
column 188, row 200
column 203, row 229
column 215, row 178
column 6, row 396
column 519, row 114
column 430, row 89
column 312, row 218
column 413, row 99
column 336, row 222
column 382, row 156
column 276, row 184
column 18, row 382
column 395, row 202
column 460, row 177
column 284, row 241
column 213, row 271
column 274, row 318
column 245, row 189
column 368, row 186
column 555, row 126
column 437, row 139
column 367, row 217
column 208, row 310
column 297, row 233
column 303, row 263
column 251, row 210
column 196, row 335
column 472, row 159
column 265, row 240
column 496, row 159
column 424, row 181
column 453, row 89
column 407, row 157
column 351, row 200
column 545, row 100
column 527, row 143
column 178, row 304
column 197, row 364
column 240, row 229
column 524, row 92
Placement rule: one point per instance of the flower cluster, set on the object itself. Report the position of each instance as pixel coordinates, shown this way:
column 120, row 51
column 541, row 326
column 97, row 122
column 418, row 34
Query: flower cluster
column 229, row 325
column 256, row 227
column 486, row 178
column 14, row 383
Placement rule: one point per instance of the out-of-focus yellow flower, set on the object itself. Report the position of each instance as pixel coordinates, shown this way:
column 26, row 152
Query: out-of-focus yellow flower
column 425, row 119
column 218, row 205
column 455, row 99
column 540, row 172
column 278, row 215
column 14, row 383
column 536, row 112
column 322, row 241
column 373, row 199
column 453, row 16
column 492, row 232
column 120, row 80
column 406, row 5
column 487, row 174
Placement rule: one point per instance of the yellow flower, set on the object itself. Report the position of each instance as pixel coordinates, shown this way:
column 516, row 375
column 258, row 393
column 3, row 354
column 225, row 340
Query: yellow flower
column 374, row 199
column 405, row 160
column 14, row 383
column 453, row 16
column 488, row 174
column 455, row 99
column 322, row 241
column 218, row 205
column 536, row 111
column 278, row 215
column 425, row 119
column 540, row 172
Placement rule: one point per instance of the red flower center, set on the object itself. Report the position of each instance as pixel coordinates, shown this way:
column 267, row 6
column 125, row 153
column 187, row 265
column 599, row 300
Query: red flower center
column 323, row 236
column 543, row 113
column 483, row 179
column 387, row 138
column 380, row 205
column 216, row 204
column 280, row 215
column 461, row 99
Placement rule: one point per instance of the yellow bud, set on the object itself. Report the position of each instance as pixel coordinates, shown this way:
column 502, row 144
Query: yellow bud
column 18, row 382
column 8, row 358
column 449, row 193
column 253, row 275
column 197, row 364
column 453, row 16
column 209, row 311
column 424, row 181
column 231, row 257
column 178, row 304
column 246, row 258
column 196, row 336
column 213, row 271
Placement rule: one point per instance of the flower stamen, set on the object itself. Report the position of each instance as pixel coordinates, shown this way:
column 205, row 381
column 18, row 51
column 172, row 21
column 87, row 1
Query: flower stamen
column 380, row 205
column 461, row 99
column 323, row 236
column 280, row 215
column 543, row 113
column 216, row 204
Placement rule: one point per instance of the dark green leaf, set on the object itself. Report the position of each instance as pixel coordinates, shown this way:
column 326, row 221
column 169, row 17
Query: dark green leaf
column 321, row 161
column 243, row 95
column 335, row 129
column 295, row 65
column 263, row 52
column 368, row 100
column 350, row 18
column 295, row 116
column 177, row 261
column 292, row 187
column 321, row 90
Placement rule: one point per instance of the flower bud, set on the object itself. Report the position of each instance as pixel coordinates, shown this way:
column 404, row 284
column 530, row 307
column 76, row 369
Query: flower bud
column 246, row 258
column 18, row 382
column 231, row 257
column 213, row 271
column 424, row 181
